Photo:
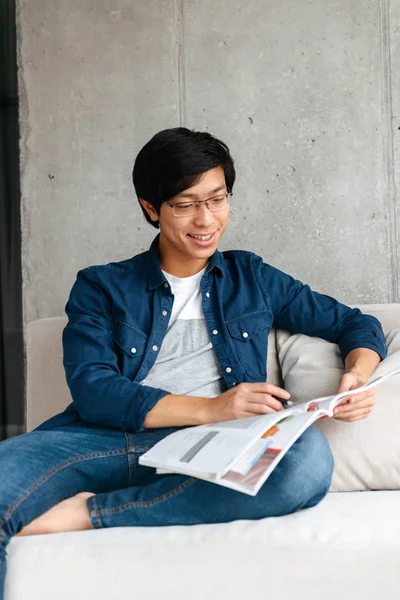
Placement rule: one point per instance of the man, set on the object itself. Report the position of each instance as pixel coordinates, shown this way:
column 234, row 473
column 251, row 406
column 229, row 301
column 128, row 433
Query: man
column 176, row 336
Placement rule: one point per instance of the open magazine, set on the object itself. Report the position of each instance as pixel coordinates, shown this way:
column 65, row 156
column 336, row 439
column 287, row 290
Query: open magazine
column 242, row 454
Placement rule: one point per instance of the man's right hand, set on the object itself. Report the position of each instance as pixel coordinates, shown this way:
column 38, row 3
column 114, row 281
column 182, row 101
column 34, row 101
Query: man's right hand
column 244, row 400
column 247, row 400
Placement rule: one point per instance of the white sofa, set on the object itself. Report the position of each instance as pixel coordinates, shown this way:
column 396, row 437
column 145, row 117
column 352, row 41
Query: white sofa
column 347, row 547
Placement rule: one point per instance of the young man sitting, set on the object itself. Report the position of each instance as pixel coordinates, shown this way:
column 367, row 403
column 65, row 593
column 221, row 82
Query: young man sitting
column 175, row 336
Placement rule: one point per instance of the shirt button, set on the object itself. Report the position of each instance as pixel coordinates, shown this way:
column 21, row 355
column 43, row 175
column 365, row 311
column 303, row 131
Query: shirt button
column 133, row 350
column 245, row 334
column 165, row 285
column 155, row 348
column 228, row 370
column 215, row 331
column 164, row 313
column 207, row 294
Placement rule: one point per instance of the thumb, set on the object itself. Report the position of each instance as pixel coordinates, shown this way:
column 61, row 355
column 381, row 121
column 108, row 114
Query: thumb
column 347, row 382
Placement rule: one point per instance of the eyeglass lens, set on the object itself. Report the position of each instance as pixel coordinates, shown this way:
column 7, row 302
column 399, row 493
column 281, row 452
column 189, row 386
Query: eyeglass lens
column 185, row 209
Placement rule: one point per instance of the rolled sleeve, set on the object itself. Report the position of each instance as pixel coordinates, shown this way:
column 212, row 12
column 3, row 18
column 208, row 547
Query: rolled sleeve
column 100, row 393
column 362, row 331
column 299, row 309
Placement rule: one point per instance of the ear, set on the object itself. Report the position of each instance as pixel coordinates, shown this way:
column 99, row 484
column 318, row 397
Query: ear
column 149, row 208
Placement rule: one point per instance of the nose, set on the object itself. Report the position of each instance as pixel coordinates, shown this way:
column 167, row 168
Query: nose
column 203, row 215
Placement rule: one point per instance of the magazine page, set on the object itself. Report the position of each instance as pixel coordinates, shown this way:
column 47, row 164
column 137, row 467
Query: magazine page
column 210, row 450
column 278, row 441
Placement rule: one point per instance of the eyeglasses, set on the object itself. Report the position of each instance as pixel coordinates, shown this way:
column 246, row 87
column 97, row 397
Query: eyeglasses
column 186, row 209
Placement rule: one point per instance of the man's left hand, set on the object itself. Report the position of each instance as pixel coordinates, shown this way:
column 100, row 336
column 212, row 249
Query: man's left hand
column 355, row 407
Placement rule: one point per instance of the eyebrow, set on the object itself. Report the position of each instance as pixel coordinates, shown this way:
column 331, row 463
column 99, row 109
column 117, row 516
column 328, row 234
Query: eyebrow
column 189, row 195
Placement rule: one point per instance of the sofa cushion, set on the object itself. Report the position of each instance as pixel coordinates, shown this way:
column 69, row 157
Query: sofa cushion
column 46, row 388
column 366, row 452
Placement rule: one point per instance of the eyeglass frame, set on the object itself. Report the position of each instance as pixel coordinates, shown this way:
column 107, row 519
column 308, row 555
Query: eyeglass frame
column 197, row 204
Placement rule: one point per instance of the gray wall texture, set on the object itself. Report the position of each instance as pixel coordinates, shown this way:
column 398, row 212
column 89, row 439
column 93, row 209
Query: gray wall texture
column 306, row 94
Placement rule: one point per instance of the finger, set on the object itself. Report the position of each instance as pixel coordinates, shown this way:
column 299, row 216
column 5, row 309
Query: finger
column 344, row 388
column 262, row 409
column 268, row 388
column 358, row 398
column 265, row 399
column 370, row 394
column 349, row 382
column 343, row 409
column 343, row 401
column 359, row 402
column 355, row 413
column 348, row 413
column 365, row 394
column 346, row 383
column 356, row 416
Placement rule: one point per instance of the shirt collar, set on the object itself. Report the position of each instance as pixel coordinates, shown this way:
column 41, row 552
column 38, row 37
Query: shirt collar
column 156, row 276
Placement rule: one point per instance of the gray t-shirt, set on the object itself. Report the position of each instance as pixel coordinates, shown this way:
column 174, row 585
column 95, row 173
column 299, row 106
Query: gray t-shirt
column 186, row 363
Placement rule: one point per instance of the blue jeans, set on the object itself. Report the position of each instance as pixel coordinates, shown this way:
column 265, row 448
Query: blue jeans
column 41, row 468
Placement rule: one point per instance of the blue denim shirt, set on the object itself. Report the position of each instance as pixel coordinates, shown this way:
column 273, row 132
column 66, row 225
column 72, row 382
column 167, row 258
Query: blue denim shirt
column 118, row 317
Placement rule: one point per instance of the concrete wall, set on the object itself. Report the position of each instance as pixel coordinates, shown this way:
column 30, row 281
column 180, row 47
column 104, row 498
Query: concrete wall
column 305, row 93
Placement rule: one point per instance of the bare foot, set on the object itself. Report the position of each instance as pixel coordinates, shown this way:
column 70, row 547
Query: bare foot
column 69, row 515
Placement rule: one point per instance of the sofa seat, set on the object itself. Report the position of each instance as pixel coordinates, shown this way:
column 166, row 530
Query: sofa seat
column 347, row 547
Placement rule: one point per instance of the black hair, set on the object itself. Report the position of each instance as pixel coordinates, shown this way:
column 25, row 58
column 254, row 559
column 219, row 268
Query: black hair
column 173, row 160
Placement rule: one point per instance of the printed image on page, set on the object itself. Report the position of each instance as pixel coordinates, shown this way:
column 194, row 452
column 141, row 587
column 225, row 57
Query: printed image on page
column 281, row 436
column 197, row 451
column 250, row 458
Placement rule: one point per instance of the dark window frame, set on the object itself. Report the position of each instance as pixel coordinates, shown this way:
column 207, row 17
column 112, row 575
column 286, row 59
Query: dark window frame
column 12, row 409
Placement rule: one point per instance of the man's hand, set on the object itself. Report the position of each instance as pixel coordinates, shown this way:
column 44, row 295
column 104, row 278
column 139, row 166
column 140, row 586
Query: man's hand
column 247, row 400
column 355, row 407
column 244, row 400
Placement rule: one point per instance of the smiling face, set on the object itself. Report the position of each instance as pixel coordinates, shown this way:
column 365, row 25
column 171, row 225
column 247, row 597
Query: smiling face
column 182, row 252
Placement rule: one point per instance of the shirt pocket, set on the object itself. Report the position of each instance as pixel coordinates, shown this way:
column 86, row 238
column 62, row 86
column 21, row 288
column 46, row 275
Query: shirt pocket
column 249, row 336
column 131, row 345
